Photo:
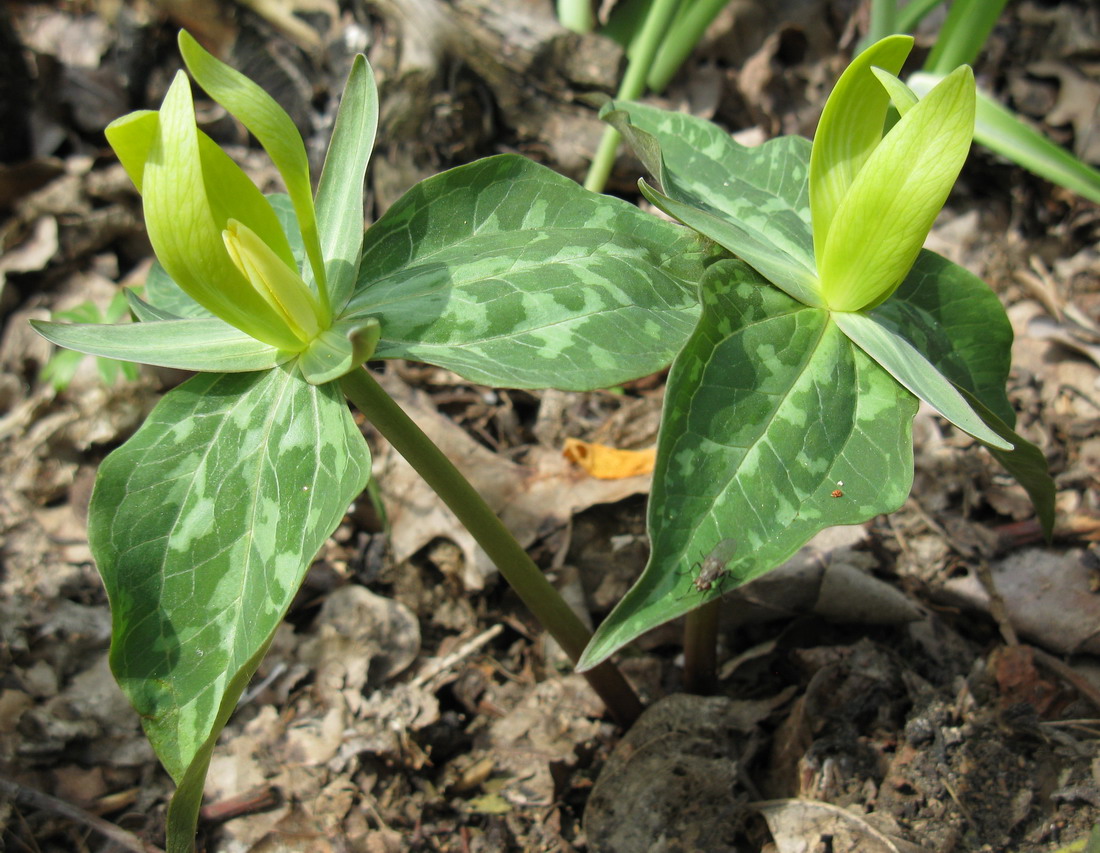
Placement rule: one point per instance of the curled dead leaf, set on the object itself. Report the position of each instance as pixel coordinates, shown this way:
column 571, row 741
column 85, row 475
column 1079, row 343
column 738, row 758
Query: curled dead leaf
column 609, row 463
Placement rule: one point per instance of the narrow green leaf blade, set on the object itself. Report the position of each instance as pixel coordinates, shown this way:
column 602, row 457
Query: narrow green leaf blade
column 963, row 34
column 340, row 192
column 769, row 409
column 512, row 275
column 203, row 525
column 909, row 367
column 207, row 345
column 1001, row 130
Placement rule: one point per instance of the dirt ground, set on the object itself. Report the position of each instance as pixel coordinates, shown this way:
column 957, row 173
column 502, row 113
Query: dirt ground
column 929, row 681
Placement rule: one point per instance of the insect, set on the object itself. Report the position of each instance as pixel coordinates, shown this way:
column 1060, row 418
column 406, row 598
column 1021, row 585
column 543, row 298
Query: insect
column 837, row 493
column 713, row 567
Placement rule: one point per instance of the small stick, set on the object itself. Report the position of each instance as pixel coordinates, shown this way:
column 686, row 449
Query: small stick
column 463, row 651
column 259, row 799
column 23, row 796
column 1063, row 670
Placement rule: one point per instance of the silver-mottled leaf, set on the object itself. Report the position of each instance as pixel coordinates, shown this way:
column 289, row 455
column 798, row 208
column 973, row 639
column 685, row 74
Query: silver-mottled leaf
column 203, row 525
column 770, row 411
column 512, row 275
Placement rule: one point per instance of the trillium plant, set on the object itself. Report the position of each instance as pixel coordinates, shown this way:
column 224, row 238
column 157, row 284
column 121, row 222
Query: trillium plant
column 790, row 408
column 205, row 521
column 801, row 317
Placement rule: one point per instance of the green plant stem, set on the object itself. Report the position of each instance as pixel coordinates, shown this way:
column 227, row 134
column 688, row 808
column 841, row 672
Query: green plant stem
column 576, row 15
column 687, row 30
column 700, row 648
column 884, row 15
column 491, row 534
column 633, row 86
column 963, row 34
column 912, row 13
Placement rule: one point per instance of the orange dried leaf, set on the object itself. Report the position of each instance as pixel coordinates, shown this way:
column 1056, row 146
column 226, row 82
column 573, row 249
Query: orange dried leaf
column 609, row 463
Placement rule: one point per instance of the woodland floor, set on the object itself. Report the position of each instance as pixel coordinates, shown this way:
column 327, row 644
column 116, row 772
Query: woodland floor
column 409, row 702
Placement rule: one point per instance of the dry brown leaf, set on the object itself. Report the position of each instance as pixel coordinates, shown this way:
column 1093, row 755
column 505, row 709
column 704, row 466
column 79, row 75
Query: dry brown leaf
column 802, row 825
column 1047, row 597
column 533, row 499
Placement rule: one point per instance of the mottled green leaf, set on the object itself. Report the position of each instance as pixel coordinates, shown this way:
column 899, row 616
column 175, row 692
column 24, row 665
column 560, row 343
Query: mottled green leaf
column 909, row 367
column 957, row 322
column 769, row 411
column 340, row 213
column 192, row 344
column 761, row 191
column 512, row 275
column 203, row 525
column 792, row 279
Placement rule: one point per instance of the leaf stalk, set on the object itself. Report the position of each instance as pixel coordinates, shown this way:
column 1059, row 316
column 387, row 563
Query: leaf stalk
column 633, row 86
column 507, row 554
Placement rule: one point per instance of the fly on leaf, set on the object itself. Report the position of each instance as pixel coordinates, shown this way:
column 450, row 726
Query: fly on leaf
column 713, row 567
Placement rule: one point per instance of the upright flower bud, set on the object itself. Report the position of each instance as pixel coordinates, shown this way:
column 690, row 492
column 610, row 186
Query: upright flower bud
column 874, row 197
column 212, row 230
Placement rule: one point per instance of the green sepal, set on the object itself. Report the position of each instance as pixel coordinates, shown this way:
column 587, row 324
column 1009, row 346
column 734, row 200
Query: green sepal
column 340, row 200
column 205, row 345
column 339, row 350
column 146, row 312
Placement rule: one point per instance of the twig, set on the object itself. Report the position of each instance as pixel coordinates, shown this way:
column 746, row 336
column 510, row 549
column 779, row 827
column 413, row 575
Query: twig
column 463, row 651
column 1063, row 670
column 23, row 796
column 259, row 799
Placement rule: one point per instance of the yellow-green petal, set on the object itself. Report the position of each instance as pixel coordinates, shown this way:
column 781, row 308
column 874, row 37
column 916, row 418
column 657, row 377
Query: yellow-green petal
column 279, row 285
column 274, row 129
column 850, row 127
column 184, row 231
column 901, row 96
column 131, row 137
column 229, row 190
column 885, row 217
